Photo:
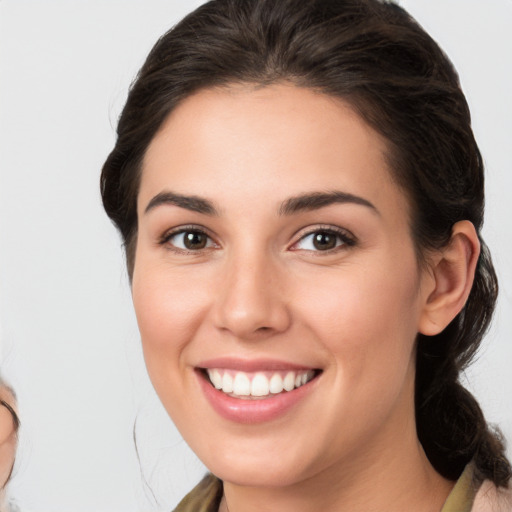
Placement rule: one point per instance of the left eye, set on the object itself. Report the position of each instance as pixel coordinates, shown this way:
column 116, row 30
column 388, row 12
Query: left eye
column 321, row 240
column 190, row 240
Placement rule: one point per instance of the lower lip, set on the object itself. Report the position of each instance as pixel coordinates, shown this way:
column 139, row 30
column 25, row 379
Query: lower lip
column 253, row 411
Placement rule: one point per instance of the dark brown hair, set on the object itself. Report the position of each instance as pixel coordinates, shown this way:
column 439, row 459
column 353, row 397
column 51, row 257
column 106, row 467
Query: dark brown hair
column 374, row 56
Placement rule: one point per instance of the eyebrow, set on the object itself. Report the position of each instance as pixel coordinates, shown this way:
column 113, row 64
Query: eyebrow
column 317, row 200
column 192, row 203
column 300, row 203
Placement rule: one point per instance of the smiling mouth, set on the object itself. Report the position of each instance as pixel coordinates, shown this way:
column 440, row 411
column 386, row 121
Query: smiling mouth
column 257, row 385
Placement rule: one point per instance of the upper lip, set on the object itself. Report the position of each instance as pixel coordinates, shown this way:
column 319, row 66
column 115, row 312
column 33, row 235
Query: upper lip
column 252, row 365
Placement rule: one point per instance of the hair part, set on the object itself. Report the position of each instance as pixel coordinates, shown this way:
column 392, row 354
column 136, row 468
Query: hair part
column 374, row 56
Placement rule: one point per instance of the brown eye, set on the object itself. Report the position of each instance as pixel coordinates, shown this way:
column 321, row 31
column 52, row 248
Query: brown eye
column 194, row 240
column 323, row 240
column 189, row 240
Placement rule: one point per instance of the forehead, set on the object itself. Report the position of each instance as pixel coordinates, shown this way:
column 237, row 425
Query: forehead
column 278, row 141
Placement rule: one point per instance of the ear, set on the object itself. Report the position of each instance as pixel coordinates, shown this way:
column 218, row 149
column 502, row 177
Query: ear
column 452, row 271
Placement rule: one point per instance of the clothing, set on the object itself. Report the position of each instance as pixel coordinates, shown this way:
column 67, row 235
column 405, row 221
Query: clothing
column 463, row 494
column 204, row 497
column 471, row 495
column 468, row 495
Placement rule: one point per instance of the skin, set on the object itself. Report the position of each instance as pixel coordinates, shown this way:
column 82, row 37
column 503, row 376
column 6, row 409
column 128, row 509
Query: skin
column 260, row 289
column 7, row 437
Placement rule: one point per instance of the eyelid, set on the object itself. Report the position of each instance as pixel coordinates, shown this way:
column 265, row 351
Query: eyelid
column 347, row 238
column 167, row 235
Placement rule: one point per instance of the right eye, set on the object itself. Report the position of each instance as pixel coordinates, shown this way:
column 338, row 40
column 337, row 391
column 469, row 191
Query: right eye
column 188, row 240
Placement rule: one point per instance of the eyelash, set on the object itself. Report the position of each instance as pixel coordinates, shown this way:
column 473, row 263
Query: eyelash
column 169, row 235
column 346, row 238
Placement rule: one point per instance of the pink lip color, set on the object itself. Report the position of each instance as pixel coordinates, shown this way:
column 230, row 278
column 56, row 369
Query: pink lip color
column 253, row 365
column 252, row 411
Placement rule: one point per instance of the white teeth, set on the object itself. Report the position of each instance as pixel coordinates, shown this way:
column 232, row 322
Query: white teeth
column 216, row 378
column 227, row 383
column 241, row 385
column 258, row 384
column 276, row 384
column 289, row 381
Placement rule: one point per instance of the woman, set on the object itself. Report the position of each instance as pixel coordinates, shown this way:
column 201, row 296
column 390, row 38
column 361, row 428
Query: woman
column 301, row 196
column 9, row 424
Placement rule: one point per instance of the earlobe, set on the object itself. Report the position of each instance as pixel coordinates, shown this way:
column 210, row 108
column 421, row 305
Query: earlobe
column 452, row 274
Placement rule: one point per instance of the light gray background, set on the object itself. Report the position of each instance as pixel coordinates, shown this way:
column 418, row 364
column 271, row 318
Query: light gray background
column 70, row 342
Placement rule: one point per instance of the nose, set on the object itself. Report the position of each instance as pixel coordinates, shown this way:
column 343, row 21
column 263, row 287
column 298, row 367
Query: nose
column 251, row 302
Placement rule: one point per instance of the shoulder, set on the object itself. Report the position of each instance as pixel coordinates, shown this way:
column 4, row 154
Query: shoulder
column 490, row 498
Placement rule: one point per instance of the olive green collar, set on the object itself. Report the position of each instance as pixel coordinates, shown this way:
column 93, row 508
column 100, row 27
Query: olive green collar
column 463, row 494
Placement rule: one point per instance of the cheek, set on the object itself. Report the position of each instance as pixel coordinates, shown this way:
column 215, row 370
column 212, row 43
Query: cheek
column 169, row 307
column 366, row 317
column 361, row 300
column 366, row 322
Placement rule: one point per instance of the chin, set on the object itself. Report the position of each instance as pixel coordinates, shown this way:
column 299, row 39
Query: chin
column 253, row 475
column 261, row 466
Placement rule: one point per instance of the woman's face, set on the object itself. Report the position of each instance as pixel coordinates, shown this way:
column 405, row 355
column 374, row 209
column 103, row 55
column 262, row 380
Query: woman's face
column 274, row 251
column 7, row 436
